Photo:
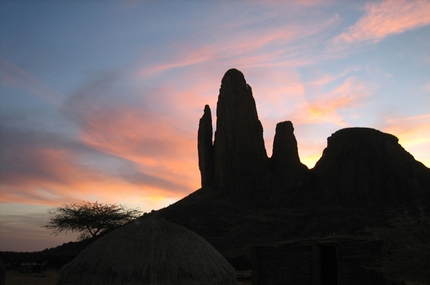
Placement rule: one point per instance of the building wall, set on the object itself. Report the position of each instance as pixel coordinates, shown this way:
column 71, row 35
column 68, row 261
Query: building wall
column 301, row 263
column 354, row 260
column 283, row 265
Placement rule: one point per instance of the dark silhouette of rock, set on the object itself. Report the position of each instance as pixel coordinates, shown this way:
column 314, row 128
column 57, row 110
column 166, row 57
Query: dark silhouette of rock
column 365, row 167
column 360, row 166
column 241, row 162
column 363, row 177
column 205, row 149
column 288, row 171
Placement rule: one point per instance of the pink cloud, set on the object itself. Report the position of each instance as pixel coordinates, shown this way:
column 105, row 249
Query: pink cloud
column 51, row 172
column 412, row 133
column 44, row 170
column 240, row 47
column 143, row 137
column 145, row 132
column 61, row 178
column 386, row 18
column 326, row 107
column 198, row 56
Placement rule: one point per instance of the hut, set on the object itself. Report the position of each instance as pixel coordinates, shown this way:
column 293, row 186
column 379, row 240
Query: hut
column 336, row 260
column 149, row 250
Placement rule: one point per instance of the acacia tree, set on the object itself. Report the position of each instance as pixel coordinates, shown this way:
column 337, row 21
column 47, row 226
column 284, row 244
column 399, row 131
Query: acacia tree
column 91, row 219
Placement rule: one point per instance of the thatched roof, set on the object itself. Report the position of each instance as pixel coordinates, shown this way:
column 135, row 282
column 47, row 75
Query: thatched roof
column 149, row 251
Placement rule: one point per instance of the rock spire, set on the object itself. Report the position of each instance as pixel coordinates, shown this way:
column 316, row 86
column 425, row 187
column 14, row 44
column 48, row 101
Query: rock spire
column 360, row 166
column 205, row 148
column 285, row 162
column 241, row 162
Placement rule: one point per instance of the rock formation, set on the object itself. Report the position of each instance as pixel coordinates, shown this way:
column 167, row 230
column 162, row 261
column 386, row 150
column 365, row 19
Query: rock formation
column 236, row 164
column 241, row 162
column 360, row 166
column 247, row 199
column 365, row 167
column 287, row 169
column 205, row 148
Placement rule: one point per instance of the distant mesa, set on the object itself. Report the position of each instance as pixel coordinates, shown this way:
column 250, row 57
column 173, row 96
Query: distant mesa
column 360, row 166
column 363, row 166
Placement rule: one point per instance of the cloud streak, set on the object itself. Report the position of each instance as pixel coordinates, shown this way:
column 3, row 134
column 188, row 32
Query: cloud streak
column 47, row 168
column 123, row 106
column 132, row 129
column 12, row 76
column 410, row 130
column 389, row 17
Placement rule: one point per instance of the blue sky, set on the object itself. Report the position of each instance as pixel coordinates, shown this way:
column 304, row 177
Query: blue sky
column 100, row 100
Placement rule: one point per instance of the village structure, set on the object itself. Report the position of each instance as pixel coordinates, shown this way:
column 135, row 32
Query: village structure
column 264, row 220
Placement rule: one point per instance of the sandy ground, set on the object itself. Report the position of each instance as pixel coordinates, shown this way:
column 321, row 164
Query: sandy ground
column 49, row 277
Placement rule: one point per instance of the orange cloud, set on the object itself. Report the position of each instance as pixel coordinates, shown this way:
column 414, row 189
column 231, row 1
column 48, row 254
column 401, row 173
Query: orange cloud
column 83, row 183
column 412, row 133
column 314, row 111
column 162, row 154
column 326, row 107
column 386, row 18
column 42, row 179
column 52, row 172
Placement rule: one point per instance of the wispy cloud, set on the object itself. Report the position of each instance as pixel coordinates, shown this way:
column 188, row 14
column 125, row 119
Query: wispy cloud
column 389, row 17
column 331, row 106
column 13, row 76
column 41, row 167
column 348, row 95
column 410, row 130
column 123, row 109
column 144, row 133
column 268, row 46
column 317, row 107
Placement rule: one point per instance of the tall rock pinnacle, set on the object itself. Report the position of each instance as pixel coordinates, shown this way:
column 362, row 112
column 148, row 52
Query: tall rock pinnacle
column 241, row 162
column 285, row 162
column 205, row 148
column 359, row 167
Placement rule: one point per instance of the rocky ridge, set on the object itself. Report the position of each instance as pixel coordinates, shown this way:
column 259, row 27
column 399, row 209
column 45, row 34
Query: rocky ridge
column 359, row 167
column 363, row 179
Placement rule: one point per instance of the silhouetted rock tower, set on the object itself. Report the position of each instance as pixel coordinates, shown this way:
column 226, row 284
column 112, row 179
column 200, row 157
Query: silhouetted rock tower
column 359, row 167
column 236, row 163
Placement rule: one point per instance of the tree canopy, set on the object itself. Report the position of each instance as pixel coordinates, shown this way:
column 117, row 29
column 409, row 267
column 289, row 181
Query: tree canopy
column 91, row 219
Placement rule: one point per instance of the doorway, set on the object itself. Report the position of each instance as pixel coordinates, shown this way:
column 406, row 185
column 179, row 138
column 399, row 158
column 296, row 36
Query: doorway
column 329, row 265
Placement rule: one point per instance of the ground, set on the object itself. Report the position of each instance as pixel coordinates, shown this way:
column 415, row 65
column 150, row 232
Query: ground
column 49, row 277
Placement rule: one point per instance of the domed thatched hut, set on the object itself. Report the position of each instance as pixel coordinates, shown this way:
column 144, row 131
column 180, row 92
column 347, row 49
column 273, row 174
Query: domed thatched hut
column 149, row 251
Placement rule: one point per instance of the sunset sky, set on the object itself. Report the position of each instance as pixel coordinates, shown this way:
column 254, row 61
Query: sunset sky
column 100, row 100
